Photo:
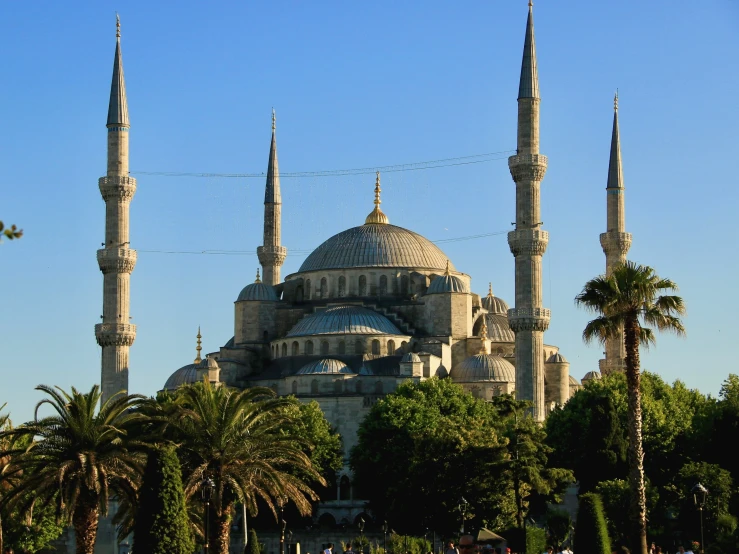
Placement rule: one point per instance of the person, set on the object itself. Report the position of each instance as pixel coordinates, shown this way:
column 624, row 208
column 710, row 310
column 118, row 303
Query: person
column 467, row 544
column 550, row 550
column 450, row 548
column 329, row 548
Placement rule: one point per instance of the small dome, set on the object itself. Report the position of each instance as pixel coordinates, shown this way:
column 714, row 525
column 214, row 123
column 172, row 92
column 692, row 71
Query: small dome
column 257, row 292
column 344, row 320
column 493, row 304
column 327, row 366
column 591, row 376
column 410, row 358
column 557, row 358
column 208, row 363
column 574, row 382
column 484, row 367
column 186, row 375
column 498, row 328
column 447, row 283
column 364, row 370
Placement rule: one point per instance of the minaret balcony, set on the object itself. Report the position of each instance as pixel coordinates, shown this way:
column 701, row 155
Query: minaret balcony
column 527, row 167
column 115, row 334
column 271, row 255
column 531, row 242
column 614, row 242
column 116, row 260
column 117, row 187
column 607, row 366
column 529, row 319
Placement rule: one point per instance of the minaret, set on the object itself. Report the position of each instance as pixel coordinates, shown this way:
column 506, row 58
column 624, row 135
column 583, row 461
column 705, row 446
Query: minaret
column 615, row 241
column 528, row 241
column 198, row 348
column 116, row 260
column 272, row 254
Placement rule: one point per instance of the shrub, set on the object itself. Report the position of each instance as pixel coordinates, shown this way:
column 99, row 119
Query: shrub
column 252, row 546
column 536, row 540
column 591, row 532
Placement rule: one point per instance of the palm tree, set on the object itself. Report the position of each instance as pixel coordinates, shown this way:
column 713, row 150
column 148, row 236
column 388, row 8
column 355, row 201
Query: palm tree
column 630, row 299
column 75, row 459
column 242, row 441
column 4, row 463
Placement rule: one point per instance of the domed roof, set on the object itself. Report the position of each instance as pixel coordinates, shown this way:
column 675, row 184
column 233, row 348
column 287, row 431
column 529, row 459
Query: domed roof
column 498, row 328
column 258, row 292
column 447, row 283
column 327, row 366
column 484, row 367
column 364, row 370
column 410, row 358
column 186, row 375
column 344, row 320
column 493, row 304
column 375, row 245
column 557, row 358
column 574, row 382
column 591, row 376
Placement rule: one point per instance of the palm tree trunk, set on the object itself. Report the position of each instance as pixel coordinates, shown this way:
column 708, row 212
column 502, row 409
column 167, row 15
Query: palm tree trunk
column 1, row 533
column 638, row 505
column 85, row 523
column 221, row 531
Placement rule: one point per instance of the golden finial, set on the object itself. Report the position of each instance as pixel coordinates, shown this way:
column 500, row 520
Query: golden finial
column 117, row 26
column 273, row 120
column 258, row 279
column 446, row 271
column 490, row 289
column 531, row 3
column 198, row 348
column 376, row 215
column 615, row 101
column 483, row 336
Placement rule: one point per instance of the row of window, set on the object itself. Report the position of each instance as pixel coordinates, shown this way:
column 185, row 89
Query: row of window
column 341, row 290
column 325, row 348
column 340, row 386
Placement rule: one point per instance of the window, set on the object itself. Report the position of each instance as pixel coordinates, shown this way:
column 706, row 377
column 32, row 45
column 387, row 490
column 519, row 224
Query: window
column 383, row 285
column 403, row 345
column 362, row 285
column 295, row 348
column 376, row 347
column 314, row 386
column 265, row 336
column 324, row 288
column 295, row 387
column 342, row 286
column 299, row 293
column 404, row 284
column 344, row 488
column 307, row 289
column 308, row 347
column 476, row 392
column 342, row 347
column 358, row 347
column 324, row 347
column 284, row 349
column 391, row 348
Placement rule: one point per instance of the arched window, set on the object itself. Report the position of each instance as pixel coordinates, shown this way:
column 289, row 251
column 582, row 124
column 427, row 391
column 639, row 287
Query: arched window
column 324, row 347
column 344, row 488
column 476, row 392
column 500, row 351
column 378, row 387
column 299, row 293
column 314, row 386
column 265, row 336
column 307, row 289
column 404, row 284
column 403, row 345
column 376, row 347
column 295, row 387
column 359, row 387
column 383, row 285
column 362, row 285
column 338, row 386
column 342, row 347
column 284, row 349
column 391, row 347
column 358, row 347
column 324, row 288
column 342, row 286
column 308, row 347
column 295, row 348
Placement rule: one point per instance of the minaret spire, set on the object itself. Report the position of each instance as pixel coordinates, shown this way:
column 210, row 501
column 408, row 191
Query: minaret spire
column 376, row 215
column 528, row 242
column 198, row 348
column 115, row 334
column 272, row 254
column 615, row 241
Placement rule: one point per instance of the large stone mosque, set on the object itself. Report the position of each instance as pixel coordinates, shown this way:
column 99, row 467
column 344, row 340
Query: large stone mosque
column 373, row 306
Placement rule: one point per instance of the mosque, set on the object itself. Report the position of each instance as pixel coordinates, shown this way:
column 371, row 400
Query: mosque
column 373, row 306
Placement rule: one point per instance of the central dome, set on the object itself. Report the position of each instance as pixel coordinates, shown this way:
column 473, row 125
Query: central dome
column 375, row 245
column 343, row 320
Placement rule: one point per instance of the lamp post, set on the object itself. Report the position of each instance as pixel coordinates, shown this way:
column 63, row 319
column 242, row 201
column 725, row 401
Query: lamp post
column 206, row 492
column 463, row 510
column 699, row 499
column 283, row 525
column 360, row 524
column 384, row 536
column 289, row 541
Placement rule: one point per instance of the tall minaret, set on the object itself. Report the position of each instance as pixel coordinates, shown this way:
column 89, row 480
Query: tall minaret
column 271, row 254
column 528, row 242
column 615, row 241
column 116, row 260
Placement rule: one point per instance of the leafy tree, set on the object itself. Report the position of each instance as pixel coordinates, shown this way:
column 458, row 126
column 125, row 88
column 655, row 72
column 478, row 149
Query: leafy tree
column 558, row 526
column 162, row 526
column 252, row 546
column 536, row 540
column 591, row 533
column 628, row 300
column 76, row 459
column 11, row 233
column 721, row 421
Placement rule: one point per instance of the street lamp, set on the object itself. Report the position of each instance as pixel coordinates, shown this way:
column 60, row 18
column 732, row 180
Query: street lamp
column 463, row 509
column 283, row 525
column 360, row 524
column 289, row 541
column 206, row 492
column 384, row 536
column 699, row 499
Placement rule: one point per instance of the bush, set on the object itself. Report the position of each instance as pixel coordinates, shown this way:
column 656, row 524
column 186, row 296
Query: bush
column 558, row 525
column 252, row 546
column 591, row 532
column 536, row 540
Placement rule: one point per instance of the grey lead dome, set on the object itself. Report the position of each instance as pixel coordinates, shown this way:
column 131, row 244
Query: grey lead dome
column 484, row 367
column 327, row 366
column 257, row 292
column 349, row 320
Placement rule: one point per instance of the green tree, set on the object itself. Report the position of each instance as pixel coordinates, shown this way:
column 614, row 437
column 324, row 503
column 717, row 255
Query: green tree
column 628, row 300
column 591, row 533
column 558, row 526
column 252, row 546
column 76, row 459
column 10, row 233
column 238, row 439
column 162, row 525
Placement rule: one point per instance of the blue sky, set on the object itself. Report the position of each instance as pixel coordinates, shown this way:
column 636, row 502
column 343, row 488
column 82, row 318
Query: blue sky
column 356, row 86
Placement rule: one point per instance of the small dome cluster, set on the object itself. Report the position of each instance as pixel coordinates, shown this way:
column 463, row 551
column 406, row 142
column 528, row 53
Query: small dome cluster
column 484, row 367
column 257, row 292
column 326, row 366
column 493, row 304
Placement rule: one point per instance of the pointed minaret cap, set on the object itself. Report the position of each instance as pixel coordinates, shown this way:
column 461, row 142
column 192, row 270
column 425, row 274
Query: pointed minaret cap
column 118, row 105
column 376, row 215
column 490, row 290
column 615, row 170
column 272, row 193
column 198, row 348
column 258, row 279
column 529, row 84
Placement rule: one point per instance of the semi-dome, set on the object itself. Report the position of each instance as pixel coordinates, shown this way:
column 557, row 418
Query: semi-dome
column 484, row 367
column 411, row 357
column 344, row 320
column 591, row 376
column 186, row 375
column 493, row 304
column 557, row 358
column 326, row 366
column 447, row 283
column 574, row 382
column 258, row 292
column 499, row 329
column 373, row 245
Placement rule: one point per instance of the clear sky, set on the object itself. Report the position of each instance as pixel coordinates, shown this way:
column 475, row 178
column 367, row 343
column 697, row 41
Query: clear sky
column 357, row 85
